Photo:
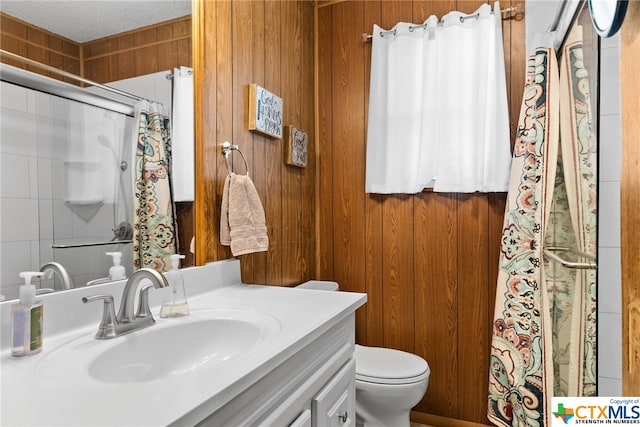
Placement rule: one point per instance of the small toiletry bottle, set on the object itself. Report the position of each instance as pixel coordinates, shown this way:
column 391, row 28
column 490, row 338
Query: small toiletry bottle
column 26, row 319
column 175, row 298
column 117, row 271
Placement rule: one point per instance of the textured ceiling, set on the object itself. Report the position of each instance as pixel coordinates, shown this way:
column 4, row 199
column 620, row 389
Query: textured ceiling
column 86, row 20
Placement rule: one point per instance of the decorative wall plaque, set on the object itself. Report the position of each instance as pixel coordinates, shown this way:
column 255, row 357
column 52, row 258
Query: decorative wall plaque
column 295, row 146
column 264, row 113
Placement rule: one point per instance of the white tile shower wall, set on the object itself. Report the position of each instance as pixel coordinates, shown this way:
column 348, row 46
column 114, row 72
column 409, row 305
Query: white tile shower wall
column 33, row 149
column 19, row 226
column 609, row 261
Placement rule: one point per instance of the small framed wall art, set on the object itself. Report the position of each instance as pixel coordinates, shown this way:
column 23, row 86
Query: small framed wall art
column 295, row 146
column 264, row 112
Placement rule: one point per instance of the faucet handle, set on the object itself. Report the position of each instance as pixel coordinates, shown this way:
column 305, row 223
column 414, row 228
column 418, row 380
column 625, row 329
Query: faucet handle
column 107, row 327
column 143, row 303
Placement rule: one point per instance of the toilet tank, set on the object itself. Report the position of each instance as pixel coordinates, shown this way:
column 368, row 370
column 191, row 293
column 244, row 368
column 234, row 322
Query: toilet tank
column 319, row 285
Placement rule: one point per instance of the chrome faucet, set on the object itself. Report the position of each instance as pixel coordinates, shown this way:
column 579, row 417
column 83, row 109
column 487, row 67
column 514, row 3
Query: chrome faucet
column 99, row 281
column 126, row 320
column 54, row 267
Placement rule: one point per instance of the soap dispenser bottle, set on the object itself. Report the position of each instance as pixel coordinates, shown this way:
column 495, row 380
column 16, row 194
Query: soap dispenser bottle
column 26, row 319
column 175, row 298
column 117, row 271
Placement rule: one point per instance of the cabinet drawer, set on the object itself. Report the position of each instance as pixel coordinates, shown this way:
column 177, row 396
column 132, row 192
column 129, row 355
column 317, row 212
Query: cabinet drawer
column 303, row 420
column 334, row 405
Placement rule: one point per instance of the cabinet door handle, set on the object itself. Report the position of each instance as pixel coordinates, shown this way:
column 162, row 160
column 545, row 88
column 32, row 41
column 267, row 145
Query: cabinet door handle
column 343, row 417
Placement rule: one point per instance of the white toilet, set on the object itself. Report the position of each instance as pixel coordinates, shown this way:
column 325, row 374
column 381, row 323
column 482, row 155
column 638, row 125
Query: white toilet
column 388, row 382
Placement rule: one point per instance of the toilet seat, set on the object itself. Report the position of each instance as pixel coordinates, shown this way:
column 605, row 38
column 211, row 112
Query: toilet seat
column 388, row 366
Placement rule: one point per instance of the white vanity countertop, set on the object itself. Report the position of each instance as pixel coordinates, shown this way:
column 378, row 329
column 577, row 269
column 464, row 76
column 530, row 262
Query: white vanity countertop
column 28, row 398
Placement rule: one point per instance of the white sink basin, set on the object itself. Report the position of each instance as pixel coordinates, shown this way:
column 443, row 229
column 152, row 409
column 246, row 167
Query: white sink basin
column 171, row 347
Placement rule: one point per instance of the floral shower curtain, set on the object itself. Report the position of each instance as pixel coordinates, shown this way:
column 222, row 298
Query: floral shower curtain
column 154, row 235
column 544, row 330
column 519, row 348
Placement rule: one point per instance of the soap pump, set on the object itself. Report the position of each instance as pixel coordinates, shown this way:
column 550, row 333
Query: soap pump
column 175, row 298
column 26, row 319
column 117, row 271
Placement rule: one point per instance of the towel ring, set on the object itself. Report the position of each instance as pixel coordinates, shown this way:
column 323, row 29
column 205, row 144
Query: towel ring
column 227, row 148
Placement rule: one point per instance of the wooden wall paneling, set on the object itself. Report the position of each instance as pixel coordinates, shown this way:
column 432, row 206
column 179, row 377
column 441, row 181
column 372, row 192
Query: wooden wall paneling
column 16, row 46
column 206, row 94
column 12, row 26
column 101, row 47
column 373, row 328
column 40, row 45
column 422, row 9
column 259, row 165
column 506, row 43
column 308, row 237
column 147, row 50
column 224, row 100
column 126, row 58
column 397, row 250
column 168, row 51
column 292, row 184
column 242, row 27
column 183, row 48
column 441, row 319
column 473, row 296
column 273, row 202
column 325, row 234
column 168, row 56
column 435, row 248
column 517, row 67
column 630, row 201
column 348, row 148
column 99, row 70
column 497, row 204
column 36, row 51
column 473, row 322
column 398, row 274
column 146, row 57
column 436, row 305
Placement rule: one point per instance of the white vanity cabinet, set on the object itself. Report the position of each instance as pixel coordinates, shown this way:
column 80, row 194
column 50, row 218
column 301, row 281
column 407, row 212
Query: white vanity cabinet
column 296, row 368
column 335, row 405
column 311, row 386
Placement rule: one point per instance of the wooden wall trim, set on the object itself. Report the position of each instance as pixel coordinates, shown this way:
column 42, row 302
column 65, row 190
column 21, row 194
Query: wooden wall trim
column 202, row 254
column 325, row 3
column 39, row 46
column 145, row 28
column 29, row 25
column 630, row 201
column 136, row 47
column 438, row 421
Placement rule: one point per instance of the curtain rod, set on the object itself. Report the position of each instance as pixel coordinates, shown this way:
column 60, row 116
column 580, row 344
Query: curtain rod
column 513, row 12
column 67, row 74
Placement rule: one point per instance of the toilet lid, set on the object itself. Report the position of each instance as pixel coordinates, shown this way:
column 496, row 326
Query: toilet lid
column 389, row 366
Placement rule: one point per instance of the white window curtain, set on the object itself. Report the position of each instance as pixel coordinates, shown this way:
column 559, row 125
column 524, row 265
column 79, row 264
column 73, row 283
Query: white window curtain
column 183, row 146
column 438, row 113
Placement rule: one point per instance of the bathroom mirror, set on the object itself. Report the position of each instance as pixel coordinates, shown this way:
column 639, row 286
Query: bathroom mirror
column 60, row 206
column 607, row 15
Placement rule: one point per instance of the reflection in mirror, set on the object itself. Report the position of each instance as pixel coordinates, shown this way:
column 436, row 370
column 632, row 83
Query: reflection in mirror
column 68, row 165
column 571, row 237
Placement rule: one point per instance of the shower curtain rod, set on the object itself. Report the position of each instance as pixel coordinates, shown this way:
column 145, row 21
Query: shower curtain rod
column 512, row 12
column 67, row 74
